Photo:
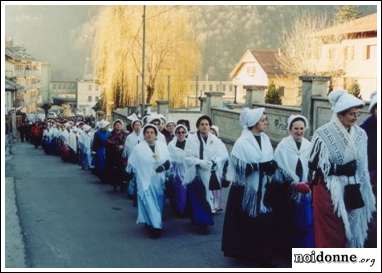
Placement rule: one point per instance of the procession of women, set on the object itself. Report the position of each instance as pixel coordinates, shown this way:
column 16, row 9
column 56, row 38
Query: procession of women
column 300, row 193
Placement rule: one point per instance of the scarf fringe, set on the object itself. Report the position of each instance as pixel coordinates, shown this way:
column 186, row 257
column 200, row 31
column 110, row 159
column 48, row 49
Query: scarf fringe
column 236, row 171
column 249, row 203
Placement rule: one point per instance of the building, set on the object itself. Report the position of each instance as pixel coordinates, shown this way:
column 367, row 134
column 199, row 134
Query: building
column 353, row 47
column 45, row 81
column 260, row 67
column 63, row 92
column 33, row 75
column 25, row 70
column 11, row 93
column 198, row 88
column 88, row 94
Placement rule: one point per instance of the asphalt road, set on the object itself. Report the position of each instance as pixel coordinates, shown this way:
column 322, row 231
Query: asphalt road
column 69, row 219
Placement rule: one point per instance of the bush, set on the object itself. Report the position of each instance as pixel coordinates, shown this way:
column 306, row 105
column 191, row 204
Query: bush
column 273, row 95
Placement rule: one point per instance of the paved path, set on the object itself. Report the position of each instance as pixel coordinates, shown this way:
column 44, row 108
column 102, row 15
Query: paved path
column 69, row 219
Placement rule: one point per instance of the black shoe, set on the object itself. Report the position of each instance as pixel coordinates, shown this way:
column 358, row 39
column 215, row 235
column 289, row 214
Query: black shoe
column 155, row 233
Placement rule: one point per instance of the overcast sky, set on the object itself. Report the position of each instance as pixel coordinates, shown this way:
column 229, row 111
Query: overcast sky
column 52, row 34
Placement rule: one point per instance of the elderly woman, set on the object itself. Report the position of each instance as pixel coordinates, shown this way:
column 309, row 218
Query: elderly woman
column 247, row 227
column 149, row 161
column 343, row 201
column 293, row 204
column 114, row 162
column 205, row 157
column 177, row 189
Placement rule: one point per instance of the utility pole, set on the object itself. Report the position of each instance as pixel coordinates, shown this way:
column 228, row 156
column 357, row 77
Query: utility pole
column 196, row 90
column 137, row 95
column 143, row 61
column 168, row 90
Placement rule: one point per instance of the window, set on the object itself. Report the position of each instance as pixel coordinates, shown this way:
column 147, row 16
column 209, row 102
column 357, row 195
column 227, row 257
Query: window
column 210, row 87
column 230, row 88
column 331, row 53
column 223, row 88
column 251, row 70
column 90, row 87
column 349, row 53
column 96, row 98
column 370, row 52
column 89, row 98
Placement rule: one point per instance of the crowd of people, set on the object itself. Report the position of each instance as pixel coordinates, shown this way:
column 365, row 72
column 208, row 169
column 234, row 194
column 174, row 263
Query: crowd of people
column 318, row 193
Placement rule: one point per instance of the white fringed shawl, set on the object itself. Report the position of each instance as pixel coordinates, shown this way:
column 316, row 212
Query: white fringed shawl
column 287, row 155
column 332, row 143
column 178, row 157
column 247, row 150
column 131, row 141
column 214, row 150
column 143, row 163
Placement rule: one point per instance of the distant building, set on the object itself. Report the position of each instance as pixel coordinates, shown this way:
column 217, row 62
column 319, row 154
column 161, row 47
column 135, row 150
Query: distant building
column 198, row 88
column 88, row 94
column 63, row 92
column 261, row 67
column 355, row 53
column 23, row 69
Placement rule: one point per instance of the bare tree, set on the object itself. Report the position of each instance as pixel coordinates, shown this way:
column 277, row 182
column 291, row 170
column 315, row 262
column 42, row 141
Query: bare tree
column 303, row 48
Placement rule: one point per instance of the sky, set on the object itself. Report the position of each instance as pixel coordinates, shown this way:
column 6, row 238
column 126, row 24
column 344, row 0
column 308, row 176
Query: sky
column 52, row 34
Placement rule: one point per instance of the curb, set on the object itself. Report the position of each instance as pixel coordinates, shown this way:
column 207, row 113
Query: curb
column 14, row 243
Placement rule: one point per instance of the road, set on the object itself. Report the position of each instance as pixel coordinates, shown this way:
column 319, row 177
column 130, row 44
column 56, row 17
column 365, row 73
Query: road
column 69, row 219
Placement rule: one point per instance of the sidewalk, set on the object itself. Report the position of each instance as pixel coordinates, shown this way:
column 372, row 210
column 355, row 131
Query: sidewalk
column 14, row 244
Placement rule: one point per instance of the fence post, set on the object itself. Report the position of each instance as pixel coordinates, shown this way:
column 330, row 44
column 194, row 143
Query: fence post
column 254, row 94
column 214, row 99
column 312, row 86
column 163, row 107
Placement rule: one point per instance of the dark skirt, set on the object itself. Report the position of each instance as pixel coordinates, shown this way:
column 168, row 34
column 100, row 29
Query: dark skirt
column 177, row 194
column 244, row 236
column 200, row 209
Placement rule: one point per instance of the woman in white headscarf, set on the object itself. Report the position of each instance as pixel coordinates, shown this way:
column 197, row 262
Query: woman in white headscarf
column 292, row 206
column 99, row 148
column 217, row 192
column 205, row 157
column 132, row 140
column 86, row 141
column 149, row 161
column 343, row 201
column 246, row 232
column 177, row 189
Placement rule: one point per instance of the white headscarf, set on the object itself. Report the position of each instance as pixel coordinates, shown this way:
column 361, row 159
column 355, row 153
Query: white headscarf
column 341, row 100
column 181, row 126
column 86, row 128
column 294, row 117
column 216, row 129
column 249, row 117
column 120, row 121
column 103, row 124
column 373, row 101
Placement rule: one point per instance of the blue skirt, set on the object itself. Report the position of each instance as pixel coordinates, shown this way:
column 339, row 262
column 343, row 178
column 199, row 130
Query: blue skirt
column 177, row 194
column 201, row 213
column 151, row 204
